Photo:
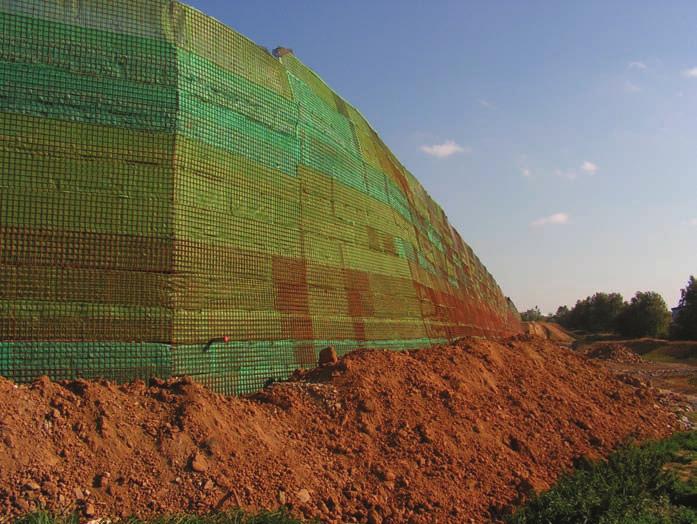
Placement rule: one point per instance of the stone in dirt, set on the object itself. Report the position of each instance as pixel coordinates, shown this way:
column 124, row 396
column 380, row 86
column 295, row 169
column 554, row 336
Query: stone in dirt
column 304, row 496
column 328, row 356
column 199, row 463
column 374, row 517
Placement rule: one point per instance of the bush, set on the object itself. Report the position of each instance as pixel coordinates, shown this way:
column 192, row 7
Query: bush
column 645, row 316
column 531, row 315
column 632, row 486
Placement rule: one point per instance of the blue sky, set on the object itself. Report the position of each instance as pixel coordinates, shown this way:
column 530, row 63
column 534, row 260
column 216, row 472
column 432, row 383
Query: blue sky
column 559, row 137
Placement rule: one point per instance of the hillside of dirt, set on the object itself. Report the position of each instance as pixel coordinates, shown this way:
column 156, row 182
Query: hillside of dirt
column 550, row 331
column 450, row 434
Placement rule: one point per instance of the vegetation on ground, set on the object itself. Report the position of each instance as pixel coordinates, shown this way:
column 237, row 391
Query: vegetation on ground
column 532, row 315
column 645, row 315
column 655, row 483
column 666, row 351
column 227, row 517
column 597, row 313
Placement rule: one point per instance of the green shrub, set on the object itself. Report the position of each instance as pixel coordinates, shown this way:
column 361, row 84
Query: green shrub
column 634, row 485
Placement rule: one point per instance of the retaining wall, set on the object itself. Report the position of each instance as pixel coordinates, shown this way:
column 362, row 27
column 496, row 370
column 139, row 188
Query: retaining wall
column 176, row 200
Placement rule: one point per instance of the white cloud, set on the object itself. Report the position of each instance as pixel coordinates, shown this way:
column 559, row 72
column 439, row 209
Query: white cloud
column 638, row 66
column 692, row 222
column 629, row 87
column 589, row 167
column 526, row 172
column 487, row 104
column 555, row 219
column 444, row 150
column 690, row 73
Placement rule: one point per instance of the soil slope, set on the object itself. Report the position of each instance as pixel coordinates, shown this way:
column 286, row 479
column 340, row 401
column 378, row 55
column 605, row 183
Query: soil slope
column 451, row 434
column 549, row 330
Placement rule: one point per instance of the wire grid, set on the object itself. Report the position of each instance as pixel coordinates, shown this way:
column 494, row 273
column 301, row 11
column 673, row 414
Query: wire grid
column 174, row 200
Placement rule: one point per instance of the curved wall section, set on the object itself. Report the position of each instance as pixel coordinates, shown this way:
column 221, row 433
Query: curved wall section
column 175, row 200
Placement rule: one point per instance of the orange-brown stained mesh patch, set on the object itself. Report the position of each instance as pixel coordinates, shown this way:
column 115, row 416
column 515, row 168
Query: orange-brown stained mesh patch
column 359, row 329
column 290, row 284
column 358, row 293
column 297, row 327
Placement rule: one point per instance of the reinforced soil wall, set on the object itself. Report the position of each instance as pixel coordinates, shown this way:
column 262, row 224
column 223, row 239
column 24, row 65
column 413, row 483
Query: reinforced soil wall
column 176, row 200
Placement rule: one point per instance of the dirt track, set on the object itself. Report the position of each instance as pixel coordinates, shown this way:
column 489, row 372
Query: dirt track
column 452, row 434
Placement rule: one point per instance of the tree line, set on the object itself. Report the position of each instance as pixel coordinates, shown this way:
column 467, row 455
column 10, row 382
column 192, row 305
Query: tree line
column 645, row 315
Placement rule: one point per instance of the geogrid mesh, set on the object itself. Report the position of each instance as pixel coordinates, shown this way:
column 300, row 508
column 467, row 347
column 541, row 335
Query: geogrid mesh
column 175, row 200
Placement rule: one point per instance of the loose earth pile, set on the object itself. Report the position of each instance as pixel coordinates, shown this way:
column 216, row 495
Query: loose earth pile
column 450, row 434
column 611, row 352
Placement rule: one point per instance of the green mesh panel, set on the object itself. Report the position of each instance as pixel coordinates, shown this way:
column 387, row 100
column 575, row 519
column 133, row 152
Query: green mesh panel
column 175, row 200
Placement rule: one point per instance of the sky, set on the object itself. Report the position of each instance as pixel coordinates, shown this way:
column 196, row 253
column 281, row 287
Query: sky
column 559, row 137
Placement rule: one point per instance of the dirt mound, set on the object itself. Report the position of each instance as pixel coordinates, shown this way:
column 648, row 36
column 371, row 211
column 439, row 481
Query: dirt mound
column 610, row 351
column 451, row 434
column 550, row 331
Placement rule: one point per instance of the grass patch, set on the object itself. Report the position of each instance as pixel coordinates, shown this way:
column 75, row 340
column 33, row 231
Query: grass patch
column 655, row 483
column 227, row 517
column 668, row 357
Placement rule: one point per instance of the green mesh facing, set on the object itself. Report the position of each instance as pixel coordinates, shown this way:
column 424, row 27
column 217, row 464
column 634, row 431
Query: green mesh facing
column 175, row 200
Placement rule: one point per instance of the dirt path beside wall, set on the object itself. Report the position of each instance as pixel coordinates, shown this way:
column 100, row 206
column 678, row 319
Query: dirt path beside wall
column 450, row 434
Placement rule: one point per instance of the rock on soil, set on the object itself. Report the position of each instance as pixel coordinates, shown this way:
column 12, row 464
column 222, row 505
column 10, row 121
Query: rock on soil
column 328, row 356
column 451, row 434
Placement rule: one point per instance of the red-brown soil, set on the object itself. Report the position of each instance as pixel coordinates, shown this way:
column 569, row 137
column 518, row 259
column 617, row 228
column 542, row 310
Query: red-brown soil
column 549, row 330
column 450, row 434
column 610, row 351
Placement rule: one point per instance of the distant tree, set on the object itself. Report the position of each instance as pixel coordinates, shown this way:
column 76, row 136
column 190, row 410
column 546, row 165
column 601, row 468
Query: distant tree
column 532, row 315
column 597, row 313
column 605, row 308
column 562, row 315
column 645, row 316
column 685, row 321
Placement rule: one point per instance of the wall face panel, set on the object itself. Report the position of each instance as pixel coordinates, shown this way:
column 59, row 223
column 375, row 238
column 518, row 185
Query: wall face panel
column 165, row 183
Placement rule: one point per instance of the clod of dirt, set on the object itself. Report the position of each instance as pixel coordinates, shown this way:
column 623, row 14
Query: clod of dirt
column 101, row 480
column 374, row 517
column 199, row 463
column 32, row 486
column 303, row 496
column 328, row 356
column 438, row 435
